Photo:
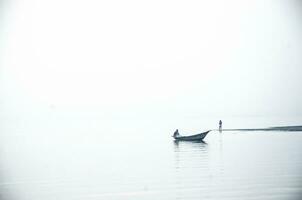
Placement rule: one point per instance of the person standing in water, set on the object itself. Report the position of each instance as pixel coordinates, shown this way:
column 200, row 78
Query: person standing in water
column 220, row 125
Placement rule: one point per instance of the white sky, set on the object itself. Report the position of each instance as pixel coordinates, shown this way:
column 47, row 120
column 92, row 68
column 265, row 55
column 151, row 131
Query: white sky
column 152, row 57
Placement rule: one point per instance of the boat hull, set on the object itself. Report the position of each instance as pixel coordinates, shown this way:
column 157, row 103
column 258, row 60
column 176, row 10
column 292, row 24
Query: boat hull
column 197, row 137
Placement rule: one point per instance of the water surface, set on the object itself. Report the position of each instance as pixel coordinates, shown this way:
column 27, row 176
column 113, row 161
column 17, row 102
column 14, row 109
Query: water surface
column 91, row 158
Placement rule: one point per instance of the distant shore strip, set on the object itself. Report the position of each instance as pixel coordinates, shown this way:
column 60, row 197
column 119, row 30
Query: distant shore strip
column 276, row 128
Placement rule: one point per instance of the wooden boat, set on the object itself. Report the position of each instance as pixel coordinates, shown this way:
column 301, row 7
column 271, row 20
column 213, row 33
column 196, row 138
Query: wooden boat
column 197, row 137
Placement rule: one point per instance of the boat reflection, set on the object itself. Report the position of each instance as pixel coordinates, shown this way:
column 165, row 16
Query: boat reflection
column 178, row 142
column 190, row 150
column 190, row 157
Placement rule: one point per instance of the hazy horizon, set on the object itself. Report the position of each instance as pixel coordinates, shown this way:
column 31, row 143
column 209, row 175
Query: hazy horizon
column 160, row 58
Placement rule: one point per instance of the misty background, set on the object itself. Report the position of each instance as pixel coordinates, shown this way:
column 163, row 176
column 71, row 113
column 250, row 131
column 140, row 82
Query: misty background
column 150, row 59
column 91, row 91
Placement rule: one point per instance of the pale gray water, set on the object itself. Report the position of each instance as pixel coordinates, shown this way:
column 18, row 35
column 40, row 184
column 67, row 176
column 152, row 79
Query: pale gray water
column 92, row 158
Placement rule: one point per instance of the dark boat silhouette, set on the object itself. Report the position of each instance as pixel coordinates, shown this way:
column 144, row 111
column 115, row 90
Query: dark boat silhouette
column 196, row 137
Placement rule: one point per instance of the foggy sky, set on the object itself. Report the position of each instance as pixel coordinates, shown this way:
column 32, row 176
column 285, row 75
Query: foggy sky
column 151, row 58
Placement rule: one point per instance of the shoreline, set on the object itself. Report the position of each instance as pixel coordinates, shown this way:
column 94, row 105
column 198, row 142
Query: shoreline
column 275, row 128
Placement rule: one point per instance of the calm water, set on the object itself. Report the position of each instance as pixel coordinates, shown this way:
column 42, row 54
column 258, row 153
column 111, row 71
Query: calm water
column 91, row 158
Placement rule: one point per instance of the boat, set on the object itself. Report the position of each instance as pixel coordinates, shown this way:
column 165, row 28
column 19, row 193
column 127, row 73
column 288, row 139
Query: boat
column 196, row 137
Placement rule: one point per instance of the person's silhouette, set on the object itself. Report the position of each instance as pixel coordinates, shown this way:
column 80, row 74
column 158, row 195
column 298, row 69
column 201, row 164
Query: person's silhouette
column 176, row 133
column 220, row 125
